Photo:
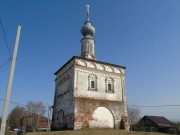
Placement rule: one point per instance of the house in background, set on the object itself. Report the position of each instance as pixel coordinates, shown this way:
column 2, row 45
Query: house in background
column 42, row 125
column 155, row 124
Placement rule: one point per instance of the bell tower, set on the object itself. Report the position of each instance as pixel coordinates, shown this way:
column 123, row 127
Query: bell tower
column 89, row 93
column 87, row 42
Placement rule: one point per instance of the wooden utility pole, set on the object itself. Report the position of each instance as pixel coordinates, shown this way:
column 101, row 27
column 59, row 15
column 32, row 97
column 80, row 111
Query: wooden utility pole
column 8, row 91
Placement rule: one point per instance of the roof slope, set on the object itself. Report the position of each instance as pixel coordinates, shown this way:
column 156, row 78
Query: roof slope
column 160, row 120
column 100, row 62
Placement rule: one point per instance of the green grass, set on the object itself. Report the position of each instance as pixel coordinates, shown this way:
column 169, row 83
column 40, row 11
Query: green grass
column 94, row 132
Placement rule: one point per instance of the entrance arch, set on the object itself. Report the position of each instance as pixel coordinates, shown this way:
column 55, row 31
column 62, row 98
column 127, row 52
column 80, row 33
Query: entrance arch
column 102, row 118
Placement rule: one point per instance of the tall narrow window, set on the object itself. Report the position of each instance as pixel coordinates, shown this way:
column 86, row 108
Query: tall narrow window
column 60, row 118
column 92, row 82
column 92, row 85
column 109, row 85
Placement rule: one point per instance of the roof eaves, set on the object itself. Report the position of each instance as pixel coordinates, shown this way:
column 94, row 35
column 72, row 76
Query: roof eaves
column 100, row 62
column 64, row 65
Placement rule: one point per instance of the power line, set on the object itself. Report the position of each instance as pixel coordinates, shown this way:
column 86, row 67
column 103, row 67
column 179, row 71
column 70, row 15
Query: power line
column 13, row 102
column 172, row 105
column 155, row 105
column 4, row 33
column 5, row 63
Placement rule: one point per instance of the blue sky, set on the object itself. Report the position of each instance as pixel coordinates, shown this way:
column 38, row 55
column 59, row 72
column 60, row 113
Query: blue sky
column 142, row 35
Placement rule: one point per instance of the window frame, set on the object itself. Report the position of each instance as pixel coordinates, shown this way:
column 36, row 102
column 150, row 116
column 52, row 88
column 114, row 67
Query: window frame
column 109, row 85
column 92, row 78
column 60, row 114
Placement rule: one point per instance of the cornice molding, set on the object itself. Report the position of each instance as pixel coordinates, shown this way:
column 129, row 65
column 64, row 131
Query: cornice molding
column 97, row 66
column 98, row 72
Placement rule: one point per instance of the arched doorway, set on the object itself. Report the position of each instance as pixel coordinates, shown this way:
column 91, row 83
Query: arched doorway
column 61, row 119
column 102, row 118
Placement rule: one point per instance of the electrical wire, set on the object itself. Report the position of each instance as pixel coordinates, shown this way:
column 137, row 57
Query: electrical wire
column 4, row 33
column 172, row 105
column 13, row 102
column 155, row 105
column 5, row 63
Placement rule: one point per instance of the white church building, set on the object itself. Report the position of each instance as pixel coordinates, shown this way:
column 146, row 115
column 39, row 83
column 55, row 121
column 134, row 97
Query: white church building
column 89, row 93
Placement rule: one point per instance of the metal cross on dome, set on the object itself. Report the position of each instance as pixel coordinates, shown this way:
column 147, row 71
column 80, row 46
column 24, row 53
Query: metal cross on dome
column 87, row 8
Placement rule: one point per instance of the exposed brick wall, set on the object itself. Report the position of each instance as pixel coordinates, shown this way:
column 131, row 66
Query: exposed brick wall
column 85, row 107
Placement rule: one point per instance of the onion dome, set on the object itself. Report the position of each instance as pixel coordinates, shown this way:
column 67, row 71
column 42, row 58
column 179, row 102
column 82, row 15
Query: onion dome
column 87, row 30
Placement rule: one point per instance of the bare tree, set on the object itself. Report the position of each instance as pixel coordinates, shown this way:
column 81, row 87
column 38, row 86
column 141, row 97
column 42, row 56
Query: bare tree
column 35, row 111
column 133, row 115
column 14, row 117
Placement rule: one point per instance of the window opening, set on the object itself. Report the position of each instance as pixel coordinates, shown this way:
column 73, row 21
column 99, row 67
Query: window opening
column 109, row 87
column 60, row 114
column 92, row 84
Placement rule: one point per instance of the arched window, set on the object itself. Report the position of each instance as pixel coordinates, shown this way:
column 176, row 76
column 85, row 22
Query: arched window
column 109, row 85
column 60, row 114
column 92, row 82
column 60, row 118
